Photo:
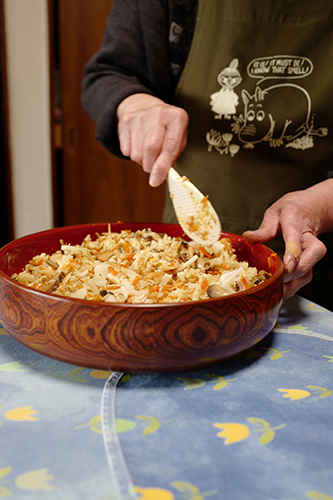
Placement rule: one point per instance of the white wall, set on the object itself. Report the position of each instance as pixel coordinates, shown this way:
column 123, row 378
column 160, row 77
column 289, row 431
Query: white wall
column 26, row 26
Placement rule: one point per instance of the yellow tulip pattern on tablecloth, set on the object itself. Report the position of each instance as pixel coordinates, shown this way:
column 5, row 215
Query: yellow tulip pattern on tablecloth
column 190, row 435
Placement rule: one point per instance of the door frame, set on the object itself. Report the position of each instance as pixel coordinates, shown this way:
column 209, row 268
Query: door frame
column 6, row 196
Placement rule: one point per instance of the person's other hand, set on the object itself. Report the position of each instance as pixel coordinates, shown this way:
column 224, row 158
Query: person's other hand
column 300, row 217
column 151, row 133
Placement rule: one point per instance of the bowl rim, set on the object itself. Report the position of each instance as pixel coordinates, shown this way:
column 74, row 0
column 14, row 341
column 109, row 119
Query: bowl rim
column 5, row 277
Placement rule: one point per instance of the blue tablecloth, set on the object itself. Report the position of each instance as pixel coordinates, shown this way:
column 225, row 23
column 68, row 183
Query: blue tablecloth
column 258, row 426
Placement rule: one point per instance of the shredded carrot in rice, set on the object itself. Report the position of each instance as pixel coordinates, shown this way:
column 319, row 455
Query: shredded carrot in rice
column 139, row 267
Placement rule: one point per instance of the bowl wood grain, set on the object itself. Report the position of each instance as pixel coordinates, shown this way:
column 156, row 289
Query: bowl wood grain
column 136, row 337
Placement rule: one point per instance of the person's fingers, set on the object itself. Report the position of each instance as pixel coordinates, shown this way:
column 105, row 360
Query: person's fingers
column 293, row 248
column 152, row 147
column 291, row 255
column 267, row 230
column 153, row 137
column 292, row 228
column 292, row 287
column 137, row 134
column 302, row 247
column 131, row 133
column 299, row 217
column 313, row 250
column 124, row 137
column 174, row 143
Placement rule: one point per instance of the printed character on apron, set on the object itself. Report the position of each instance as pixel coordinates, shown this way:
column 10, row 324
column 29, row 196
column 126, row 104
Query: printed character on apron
column 225, row 101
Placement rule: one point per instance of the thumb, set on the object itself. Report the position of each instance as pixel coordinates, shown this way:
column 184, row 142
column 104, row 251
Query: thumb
column 291, row 255
column 267, row 230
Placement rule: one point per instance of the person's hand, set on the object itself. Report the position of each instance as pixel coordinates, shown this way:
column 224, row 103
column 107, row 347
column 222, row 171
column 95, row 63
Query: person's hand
column 151, row 133
column 300, row 217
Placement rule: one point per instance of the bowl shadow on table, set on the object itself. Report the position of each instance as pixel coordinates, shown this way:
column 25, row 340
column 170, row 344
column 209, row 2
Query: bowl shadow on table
column 293, row 308
column 219, row 372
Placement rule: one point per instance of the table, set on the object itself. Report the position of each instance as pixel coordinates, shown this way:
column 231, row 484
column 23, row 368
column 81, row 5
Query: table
column 258, row 426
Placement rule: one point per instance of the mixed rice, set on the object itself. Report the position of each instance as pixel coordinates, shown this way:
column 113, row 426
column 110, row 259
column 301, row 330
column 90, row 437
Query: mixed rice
column 140, row 267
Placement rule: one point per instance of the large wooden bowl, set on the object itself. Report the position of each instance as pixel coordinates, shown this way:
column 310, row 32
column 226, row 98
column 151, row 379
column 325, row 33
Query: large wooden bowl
column 135, row 337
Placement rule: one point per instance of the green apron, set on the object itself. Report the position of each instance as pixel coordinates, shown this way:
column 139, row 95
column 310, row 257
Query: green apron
column 257, row 86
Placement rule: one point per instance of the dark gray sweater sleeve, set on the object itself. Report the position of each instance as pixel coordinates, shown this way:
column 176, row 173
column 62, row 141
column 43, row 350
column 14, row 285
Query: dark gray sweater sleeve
column 133, row 58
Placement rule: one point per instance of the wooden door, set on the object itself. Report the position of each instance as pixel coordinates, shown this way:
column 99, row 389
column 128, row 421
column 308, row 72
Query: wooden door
column 96, row 187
